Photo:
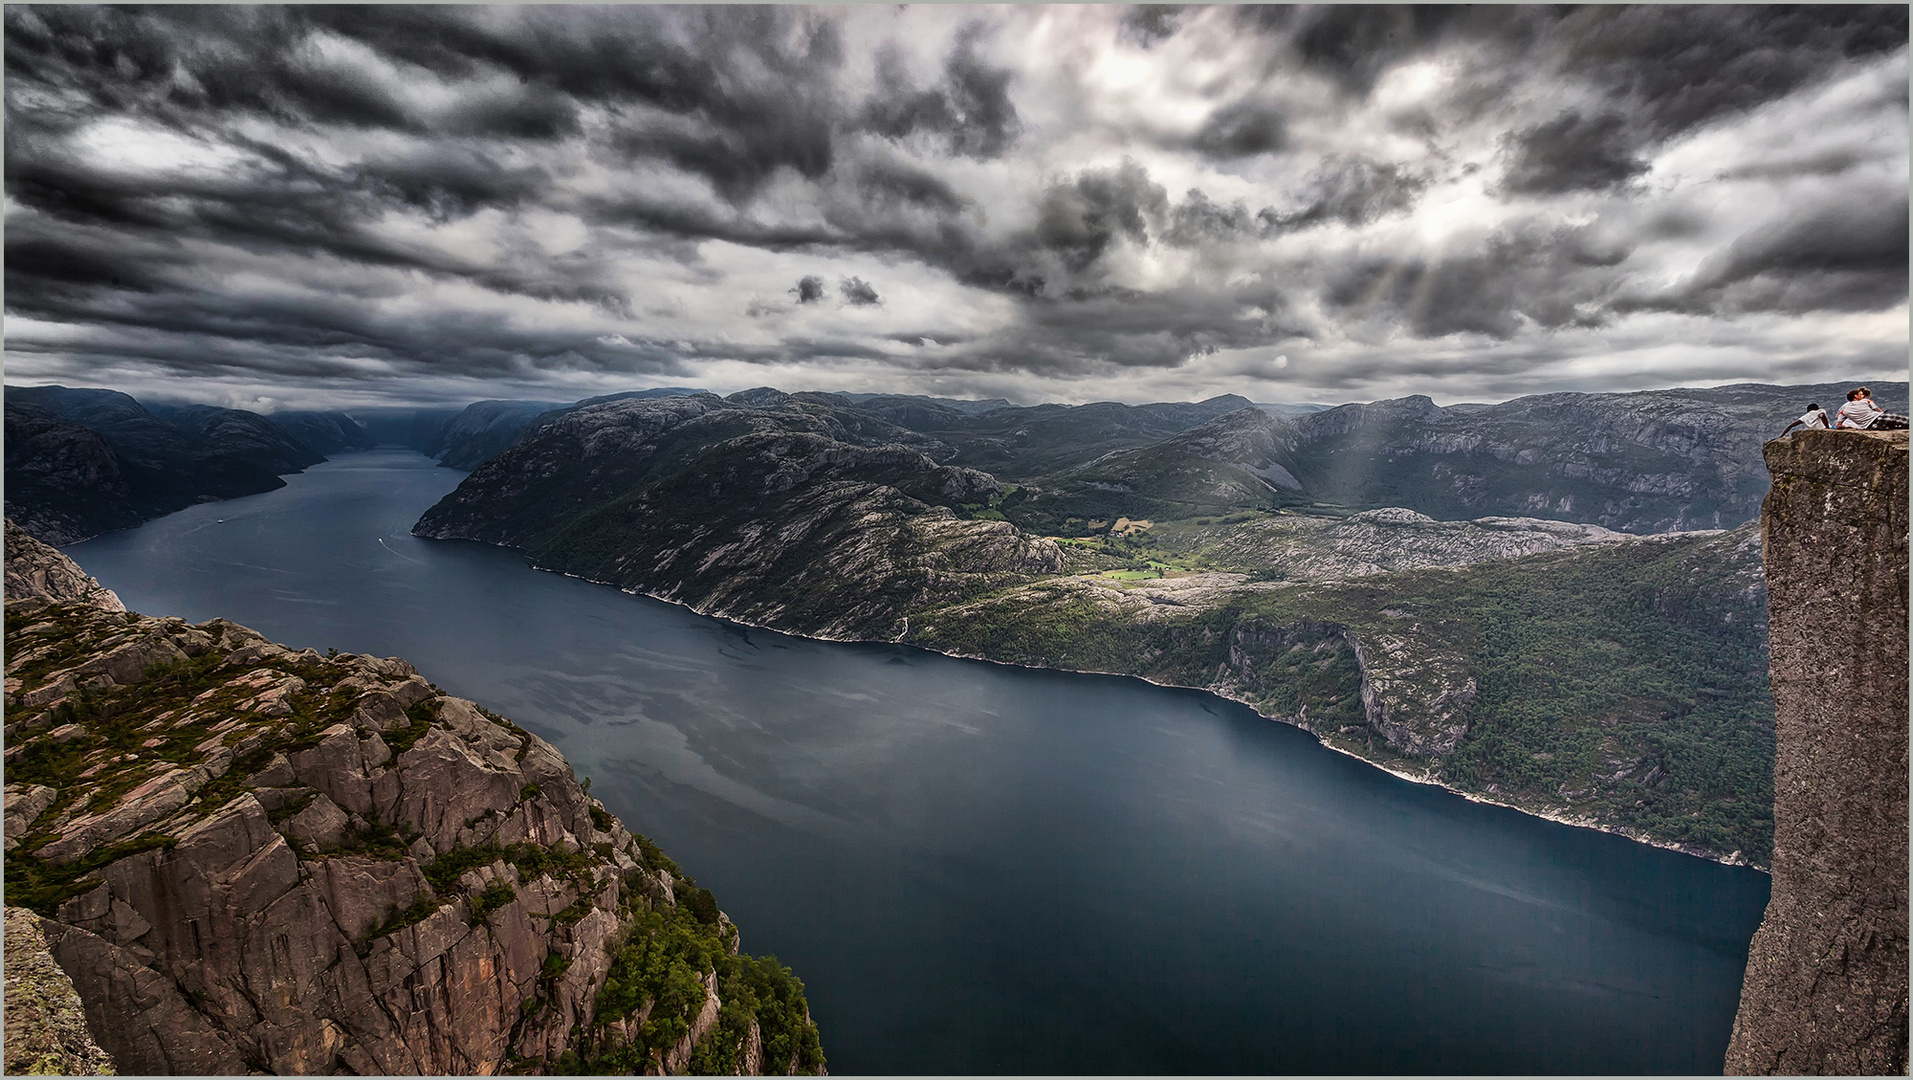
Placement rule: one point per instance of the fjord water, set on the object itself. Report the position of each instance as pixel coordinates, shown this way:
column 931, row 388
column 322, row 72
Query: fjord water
column 984, row 869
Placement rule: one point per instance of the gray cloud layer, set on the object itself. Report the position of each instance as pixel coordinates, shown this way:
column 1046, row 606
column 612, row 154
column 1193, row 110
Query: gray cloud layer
column 383, row 203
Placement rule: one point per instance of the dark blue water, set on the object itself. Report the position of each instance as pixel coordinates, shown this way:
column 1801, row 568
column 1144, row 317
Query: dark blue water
column 984, row 869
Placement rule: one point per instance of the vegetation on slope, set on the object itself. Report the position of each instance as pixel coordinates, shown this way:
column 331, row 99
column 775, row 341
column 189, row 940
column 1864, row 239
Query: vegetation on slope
column 1624, row 685
column 129, row 735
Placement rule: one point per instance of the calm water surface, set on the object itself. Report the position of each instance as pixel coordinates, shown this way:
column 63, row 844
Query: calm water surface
column 982, row 869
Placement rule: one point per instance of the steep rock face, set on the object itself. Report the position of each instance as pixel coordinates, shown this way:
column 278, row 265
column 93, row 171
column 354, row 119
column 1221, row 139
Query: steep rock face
column 253, row 859
column 1652, row 461
column 63, row 482
column 1826, row 985
column 64, row 489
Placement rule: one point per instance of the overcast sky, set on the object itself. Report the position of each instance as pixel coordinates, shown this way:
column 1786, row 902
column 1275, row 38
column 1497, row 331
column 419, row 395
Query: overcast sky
column 272, row 206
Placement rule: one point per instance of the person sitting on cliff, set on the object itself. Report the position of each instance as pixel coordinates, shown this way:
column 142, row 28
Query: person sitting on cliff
column 1815, row 418
column 1861, row 414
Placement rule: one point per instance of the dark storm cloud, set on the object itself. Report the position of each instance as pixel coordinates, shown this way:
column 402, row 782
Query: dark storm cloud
column 295, row 210
column 858, row 292
column 1078, row 220
column 337, row 190
column 1132, row 329
column 1677, row 66
column 969, row 110
column 1848, row 255
column 1242, row 129
column 1352, row 190
column 1572, row 153
column 42, row 270
column 448, row 180
column 1199, row 222
column 1551, row 278
column 1665, row 70
column 1825, row 163
column 884, row 181
column 175, row 62
column 810, row 289
column 1148, row 24
column 1353, row 45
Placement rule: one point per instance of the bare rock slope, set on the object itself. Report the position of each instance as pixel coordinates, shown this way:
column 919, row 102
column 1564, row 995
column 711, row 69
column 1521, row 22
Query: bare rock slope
column 254, row 859
column 34, row 569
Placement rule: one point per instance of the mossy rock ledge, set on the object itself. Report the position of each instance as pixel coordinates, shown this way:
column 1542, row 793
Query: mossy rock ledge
column 254, row 859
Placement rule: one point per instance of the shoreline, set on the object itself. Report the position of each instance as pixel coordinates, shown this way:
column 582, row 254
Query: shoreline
column 1554, row 816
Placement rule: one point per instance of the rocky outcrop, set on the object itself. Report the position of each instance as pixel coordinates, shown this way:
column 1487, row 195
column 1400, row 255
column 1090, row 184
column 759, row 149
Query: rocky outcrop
column 46, row 1031
column 253, row 859
column 34, row 569
column 1826, row 984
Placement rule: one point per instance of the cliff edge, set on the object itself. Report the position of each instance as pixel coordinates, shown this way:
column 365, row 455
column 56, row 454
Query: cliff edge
column 1826, row 985
column 251, row 859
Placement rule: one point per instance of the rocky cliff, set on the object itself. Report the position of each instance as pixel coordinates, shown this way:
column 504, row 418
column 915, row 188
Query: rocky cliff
column 63, row 483
column 34, row 569
column 1826, row 985
column 253, row 859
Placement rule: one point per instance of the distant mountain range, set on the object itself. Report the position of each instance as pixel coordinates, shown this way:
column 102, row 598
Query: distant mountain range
column 83, row 461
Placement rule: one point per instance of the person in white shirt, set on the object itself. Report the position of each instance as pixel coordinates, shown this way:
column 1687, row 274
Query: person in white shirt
column 1814, row 418
column 1861, row 414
